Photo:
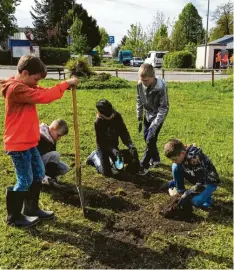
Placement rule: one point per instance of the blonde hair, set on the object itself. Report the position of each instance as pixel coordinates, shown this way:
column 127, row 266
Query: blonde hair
column 146, row 70
column 61, row 125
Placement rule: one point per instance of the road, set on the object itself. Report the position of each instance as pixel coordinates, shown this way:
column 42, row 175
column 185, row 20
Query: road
column 179, row 76
column 132, row 76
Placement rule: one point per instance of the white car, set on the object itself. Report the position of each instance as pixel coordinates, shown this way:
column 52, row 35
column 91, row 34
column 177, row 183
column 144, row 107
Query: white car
column 136, row 62
column 155, row 58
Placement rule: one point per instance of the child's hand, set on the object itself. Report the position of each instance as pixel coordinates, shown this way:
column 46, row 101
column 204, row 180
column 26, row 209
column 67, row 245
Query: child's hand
column 73, row 81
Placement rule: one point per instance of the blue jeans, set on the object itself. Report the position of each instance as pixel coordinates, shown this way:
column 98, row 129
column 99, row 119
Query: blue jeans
column 179, row 175
column 151, row 151
column 28, row 167
column 204, row 196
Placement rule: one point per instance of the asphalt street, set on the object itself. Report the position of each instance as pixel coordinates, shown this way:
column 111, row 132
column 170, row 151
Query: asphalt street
column 179, row 76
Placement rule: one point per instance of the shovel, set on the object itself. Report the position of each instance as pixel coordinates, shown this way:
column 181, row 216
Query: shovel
column 77, row 150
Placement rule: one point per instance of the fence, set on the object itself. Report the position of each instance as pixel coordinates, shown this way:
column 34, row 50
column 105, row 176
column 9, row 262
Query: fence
column 194, row 72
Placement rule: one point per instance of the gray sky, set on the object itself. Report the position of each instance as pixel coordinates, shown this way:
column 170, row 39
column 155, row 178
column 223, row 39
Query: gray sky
column 116, row 16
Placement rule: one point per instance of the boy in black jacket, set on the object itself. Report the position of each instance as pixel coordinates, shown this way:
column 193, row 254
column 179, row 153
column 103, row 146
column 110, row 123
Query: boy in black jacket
column 47, row 148
column 109, row 126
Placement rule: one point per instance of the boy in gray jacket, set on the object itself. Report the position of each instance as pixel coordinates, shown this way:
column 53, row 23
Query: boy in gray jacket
column 152, row 106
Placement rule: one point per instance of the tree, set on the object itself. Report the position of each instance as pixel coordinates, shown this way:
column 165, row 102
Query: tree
column 123, row 40
column 161, row 40
column 223, row 16
column 178, row 37
column 7, row 19
column 52, row 19
column 79, row 41
column 154, row 29
column 188, row 28
column 103, row 42
column 46, row 15
column 136, row 40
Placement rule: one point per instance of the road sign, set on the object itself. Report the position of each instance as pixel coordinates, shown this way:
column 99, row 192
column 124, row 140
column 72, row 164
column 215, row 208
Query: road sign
column 111, row 39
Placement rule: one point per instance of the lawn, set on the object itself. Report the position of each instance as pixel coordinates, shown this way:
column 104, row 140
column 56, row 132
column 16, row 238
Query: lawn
column 123, row 227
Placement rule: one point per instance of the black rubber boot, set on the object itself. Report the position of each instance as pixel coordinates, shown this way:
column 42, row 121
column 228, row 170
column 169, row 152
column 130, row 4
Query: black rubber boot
column 31, row 207
column 14, row 203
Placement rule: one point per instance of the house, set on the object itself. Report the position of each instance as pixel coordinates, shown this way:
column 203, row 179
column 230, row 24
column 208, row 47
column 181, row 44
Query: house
column 224, row 44
column 19, row 35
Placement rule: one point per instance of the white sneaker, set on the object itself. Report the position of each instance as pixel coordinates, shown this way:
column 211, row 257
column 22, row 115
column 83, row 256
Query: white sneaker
column 154, row 164
column 46, row 180
column 143, row 172
column 173, row 192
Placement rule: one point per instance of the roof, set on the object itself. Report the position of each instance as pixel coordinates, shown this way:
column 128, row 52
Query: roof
column 223, row 40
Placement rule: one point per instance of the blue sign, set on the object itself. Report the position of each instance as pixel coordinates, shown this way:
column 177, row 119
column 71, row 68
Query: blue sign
column 111, row 39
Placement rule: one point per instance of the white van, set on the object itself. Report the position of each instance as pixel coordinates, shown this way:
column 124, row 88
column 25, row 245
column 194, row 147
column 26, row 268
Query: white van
column 155, row 58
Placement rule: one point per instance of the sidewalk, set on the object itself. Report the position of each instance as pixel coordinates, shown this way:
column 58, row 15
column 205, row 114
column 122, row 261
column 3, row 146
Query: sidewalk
column 8, row 67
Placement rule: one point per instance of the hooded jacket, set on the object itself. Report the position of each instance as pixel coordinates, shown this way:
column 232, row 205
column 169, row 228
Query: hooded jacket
column 199, row 167
column 21, row 119
column 154, row 101
column 46, row 143
column 109, row 131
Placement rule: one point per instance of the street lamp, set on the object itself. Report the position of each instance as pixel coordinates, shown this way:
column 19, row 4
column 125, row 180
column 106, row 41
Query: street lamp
column 206, row 35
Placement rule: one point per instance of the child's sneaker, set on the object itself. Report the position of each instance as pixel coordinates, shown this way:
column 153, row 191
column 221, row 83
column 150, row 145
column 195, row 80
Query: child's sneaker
column 154, row 164
column 46, row 180
column 143, row 171
column 173, row 191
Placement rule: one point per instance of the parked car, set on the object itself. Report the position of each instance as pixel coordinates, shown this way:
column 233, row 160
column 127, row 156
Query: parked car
column 136, row 62
column 155, row 58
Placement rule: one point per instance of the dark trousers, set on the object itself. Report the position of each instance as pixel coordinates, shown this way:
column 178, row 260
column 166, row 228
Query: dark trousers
column 151, row 152
column 101, row 159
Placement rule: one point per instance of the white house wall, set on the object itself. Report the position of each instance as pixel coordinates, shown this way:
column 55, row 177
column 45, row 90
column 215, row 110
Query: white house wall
column 200, row 57
column 209, row 55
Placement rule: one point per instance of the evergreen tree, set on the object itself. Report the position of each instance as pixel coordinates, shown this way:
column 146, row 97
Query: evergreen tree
column 52, row 19
column 188, row 28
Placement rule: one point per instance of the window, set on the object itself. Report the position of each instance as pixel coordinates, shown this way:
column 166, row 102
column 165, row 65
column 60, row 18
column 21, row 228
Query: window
column 160, row 55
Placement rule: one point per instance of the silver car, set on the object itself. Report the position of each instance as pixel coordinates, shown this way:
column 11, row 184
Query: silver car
column 136, row 61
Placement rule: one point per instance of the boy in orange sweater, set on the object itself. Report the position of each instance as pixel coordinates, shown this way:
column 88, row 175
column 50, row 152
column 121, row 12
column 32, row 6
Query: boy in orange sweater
column 21, row 137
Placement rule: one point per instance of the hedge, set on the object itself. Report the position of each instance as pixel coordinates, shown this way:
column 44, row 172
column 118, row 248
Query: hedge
column 5, row 57
column 103, row 81
column 180, row 59
column 54, row 56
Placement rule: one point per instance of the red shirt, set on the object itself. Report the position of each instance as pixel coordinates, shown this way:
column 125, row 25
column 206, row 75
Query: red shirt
column 21, row 119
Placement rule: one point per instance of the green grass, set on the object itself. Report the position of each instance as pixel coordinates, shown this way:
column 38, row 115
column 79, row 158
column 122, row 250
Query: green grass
column 124, row 229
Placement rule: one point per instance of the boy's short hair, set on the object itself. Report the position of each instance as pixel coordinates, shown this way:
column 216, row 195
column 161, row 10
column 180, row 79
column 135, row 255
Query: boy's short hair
column 60, row 125
column 32, row 64
column 173, row 148
column 146, row 70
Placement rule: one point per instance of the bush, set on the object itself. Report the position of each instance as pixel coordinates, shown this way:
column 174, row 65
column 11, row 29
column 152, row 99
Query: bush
column 5, row 57
column 79, row 67
column 102, row 81
column 228, row 71
column 96, row 59
column 54, row 56
column 108, row 62
column 180, row 59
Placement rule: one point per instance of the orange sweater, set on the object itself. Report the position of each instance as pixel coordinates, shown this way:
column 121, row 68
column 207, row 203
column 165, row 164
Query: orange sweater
column 21, row 119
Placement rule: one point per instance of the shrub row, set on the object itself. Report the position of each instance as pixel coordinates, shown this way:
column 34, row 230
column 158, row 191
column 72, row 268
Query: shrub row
column 49, row 55
column 180, row 59
column 103, row 81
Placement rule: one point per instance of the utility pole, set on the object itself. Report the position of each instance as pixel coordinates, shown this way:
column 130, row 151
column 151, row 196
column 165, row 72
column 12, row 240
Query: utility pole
column 206, row 35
